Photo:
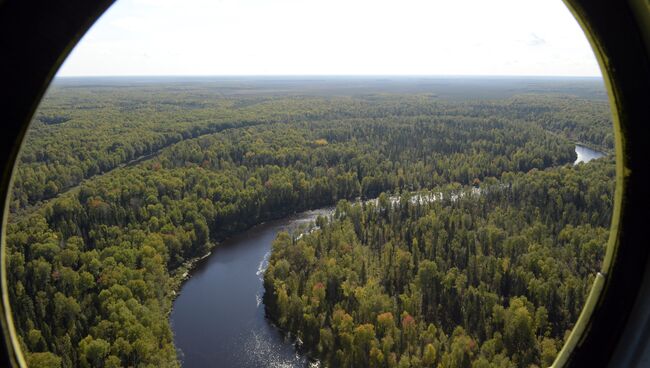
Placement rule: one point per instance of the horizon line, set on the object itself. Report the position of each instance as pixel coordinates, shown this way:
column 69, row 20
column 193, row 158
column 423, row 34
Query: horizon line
column 327, row 75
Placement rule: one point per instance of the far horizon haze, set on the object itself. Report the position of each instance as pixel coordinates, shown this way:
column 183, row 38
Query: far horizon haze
column 414, row 38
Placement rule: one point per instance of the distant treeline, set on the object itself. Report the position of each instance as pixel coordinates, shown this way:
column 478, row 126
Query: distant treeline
column 85, row 131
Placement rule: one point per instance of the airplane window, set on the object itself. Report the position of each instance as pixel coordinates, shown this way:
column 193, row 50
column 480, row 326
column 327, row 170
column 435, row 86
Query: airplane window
column 296, row 184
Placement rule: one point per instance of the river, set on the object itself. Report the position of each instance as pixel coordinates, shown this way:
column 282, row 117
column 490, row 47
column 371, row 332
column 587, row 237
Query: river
column 586, row 154
column 218, row 319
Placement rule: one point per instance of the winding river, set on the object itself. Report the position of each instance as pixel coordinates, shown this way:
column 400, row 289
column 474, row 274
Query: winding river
column 218, row 318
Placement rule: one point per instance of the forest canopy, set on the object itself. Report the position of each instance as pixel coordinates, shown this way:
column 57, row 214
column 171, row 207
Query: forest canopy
column 132, row 121
column 119, row 187
column 484, row 276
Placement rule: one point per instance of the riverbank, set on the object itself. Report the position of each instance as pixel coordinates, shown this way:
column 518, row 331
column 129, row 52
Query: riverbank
column 604, row 150
column 218, row 314
column 184, row 272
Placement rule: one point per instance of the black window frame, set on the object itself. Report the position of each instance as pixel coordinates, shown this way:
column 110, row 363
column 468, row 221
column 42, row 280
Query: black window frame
column 614, row 327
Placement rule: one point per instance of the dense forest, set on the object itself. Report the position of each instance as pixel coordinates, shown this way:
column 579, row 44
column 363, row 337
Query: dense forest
column 134, row 121
column 97, row 243
column 492, row 276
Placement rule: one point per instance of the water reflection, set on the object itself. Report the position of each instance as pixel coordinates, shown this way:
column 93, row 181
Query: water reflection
column 586, row 154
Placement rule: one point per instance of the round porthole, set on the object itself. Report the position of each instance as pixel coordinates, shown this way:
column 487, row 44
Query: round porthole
column 612, row 327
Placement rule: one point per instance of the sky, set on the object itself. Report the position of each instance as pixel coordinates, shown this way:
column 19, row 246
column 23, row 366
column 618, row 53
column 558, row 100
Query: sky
column 334, row 37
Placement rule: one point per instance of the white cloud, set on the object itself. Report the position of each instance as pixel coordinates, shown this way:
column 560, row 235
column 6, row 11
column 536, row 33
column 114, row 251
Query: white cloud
column 201, row 37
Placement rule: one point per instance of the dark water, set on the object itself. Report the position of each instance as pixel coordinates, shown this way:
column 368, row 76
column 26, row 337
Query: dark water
column 586, row 154
column 218, row 319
